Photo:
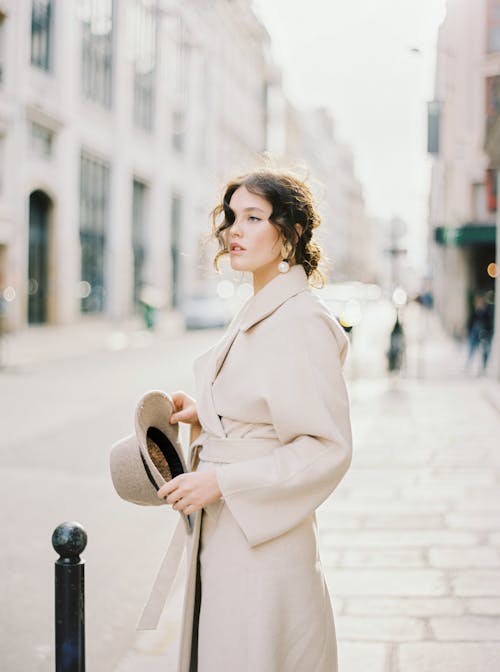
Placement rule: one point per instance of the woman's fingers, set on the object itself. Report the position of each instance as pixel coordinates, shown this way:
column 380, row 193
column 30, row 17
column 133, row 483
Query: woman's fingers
column 191, row 491
column 178, row 505
column 180, row 416
column 184, row 409
column 169, row 487
column 178, row 399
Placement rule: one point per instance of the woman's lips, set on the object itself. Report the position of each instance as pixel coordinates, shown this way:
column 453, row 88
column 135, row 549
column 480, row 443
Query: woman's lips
column 236, row 249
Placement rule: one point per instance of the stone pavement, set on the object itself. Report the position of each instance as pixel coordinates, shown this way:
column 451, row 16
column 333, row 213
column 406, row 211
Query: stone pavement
column 411, row 539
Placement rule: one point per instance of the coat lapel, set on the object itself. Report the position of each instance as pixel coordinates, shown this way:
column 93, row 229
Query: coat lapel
column 260, row 306
column 273, row 295
column 206, row 368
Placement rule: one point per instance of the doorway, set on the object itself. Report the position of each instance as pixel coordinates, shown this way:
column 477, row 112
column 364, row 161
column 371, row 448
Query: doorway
column 38, row 259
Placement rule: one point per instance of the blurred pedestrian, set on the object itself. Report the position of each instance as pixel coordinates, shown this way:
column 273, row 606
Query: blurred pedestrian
column 150, row 300
column 397, row 347
column 425, row 299
column 480, row 331
column 272, row 432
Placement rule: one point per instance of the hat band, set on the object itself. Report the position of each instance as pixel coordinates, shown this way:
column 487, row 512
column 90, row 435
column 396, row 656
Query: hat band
column 148, row 472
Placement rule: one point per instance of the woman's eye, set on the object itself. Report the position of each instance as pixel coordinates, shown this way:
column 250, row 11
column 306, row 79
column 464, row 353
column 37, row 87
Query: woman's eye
column 252, row 218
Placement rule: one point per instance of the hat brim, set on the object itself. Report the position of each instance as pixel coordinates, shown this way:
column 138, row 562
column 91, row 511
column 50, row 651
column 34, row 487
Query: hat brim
column 128, row 474
column 144, row 461
column 158, row 439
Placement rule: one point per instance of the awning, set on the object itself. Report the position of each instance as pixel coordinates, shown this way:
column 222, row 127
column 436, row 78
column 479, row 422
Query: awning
column 492, row 139
column 472, row 233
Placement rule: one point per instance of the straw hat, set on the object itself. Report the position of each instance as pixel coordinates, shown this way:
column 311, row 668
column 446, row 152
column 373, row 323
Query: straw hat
column 142, row 462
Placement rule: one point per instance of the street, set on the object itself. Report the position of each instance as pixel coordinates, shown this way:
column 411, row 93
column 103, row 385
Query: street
column 410, row 540
column 59, row 419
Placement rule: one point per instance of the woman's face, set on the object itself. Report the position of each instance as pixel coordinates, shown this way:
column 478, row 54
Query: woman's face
column 254, row 243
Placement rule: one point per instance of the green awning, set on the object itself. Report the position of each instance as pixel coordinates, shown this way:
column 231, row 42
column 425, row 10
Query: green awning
column 472, row 233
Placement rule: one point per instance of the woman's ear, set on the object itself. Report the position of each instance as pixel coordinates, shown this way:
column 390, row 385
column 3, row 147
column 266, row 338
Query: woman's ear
column 299, row 228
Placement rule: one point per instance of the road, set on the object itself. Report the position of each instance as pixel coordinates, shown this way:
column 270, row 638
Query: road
column 59, row 419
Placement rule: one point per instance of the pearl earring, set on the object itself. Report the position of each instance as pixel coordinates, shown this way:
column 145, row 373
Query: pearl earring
column 284, row 266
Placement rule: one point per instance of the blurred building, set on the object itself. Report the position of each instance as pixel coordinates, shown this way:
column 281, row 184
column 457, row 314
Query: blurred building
column 463, row 198
column 346, row 231
column 119, row 120
column 306, row 141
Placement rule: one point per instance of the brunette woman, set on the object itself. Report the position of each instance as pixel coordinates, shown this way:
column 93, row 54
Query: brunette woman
column 273, row 440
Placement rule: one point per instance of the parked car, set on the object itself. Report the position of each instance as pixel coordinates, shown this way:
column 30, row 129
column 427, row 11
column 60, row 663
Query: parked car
column 205, row 312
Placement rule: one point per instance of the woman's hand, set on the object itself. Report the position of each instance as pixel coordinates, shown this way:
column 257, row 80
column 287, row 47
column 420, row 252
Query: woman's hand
column 185, row 410
column 191, row 492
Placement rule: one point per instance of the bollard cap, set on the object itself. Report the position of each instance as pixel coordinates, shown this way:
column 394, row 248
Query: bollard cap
column 69, row 540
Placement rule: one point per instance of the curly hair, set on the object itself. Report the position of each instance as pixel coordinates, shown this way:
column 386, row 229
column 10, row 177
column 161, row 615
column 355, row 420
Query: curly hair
column 292, row 203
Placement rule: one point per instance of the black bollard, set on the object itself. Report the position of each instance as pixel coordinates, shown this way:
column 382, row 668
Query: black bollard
column 69, row 540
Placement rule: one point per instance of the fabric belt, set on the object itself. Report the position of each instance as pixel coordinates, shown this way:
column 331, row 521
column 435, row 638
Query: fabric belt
column 227, row 450
column 206, row 448
column 164, row 579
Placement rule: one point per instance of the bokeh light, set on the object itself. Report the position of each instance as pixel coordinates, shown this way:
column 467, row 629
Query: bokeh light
column 399, row 296
column 9, row 294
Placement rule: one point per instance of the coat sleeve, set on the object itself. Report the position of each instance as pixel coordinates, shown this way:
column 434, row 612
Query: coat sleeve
column 308, row 405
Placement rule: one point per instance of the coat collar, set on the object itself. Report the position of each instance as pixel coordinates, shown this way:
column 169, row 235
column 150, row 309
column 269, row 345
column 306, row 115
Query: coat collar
column 259, row 306
column 272, row 295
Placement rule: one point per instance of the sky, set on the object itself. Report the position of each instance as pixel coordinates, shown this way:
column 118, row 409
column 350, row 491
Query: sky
column 371, row 63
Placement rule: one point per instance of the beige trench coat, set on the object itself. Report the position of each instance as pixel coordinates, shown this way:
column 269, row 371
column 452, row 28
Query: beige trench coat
column 275, row 416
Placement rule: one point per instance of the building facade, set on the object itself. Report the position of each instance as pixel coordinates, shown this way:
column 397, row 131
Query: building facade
column 115, row 130
column 306, row 141
column 463, row 205
column 119, row 120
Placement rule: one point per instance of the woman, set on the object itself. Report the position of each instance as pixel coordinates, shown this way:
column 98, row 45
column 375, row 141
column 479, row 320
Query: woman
column 272, row 433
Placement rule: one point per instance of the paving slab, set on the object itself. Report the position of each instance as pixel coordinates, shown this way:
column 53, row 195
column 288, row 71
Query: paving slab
column 382, row 558
column 484, row 605
column 408, row 606
column 393, row 582
column 361, row 657
column 466, row 628
column 476, row 583
column 448, row 657
column 380, row 629
column 479, row 556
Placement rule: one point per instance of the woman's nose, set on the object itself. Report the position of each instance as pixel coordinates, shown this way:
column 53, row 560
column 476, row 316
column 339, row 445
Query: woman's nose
column 235, row 229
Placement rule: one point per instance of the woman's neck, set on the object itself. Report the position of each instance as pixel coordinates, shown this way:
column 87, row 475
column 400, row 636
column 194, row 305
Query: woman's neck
column 264, row 276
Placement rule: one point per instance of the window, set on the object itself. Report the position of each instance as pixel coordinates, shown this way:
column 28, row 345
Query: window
column 493, row 26
column 142, row 19
column 178, row 130
column 2, row 161
column 479, row 212
column 41, row 140
column 139, row 229
column 181, row 94
column 206, row 113
column 2, row 46
column 492, row 106
column 492, row 95
column 175, row 242
column 433, row 126
column 491, row 190
column 41, row 21
column 97, row 50
column 94, row 214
